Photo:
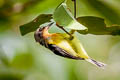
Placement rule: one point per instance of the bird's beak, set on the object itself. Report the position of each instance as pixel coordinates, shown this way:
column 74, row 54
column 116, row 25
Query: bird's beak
column 49, row 25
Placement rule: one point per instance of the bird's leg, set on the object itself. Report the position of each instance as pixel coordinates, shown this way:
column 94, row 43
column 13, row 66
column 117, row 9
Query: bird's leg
column 63, row 29
column 71, row 37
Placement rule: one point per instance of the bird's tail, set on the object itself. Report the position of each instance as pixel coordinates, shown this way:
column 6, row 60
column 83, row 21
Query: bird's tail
column 96, row 63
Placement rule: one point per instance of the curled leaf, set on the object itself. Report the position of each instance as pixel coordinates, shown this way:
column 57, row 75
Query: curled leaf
column 64, row 17
column 34, row 24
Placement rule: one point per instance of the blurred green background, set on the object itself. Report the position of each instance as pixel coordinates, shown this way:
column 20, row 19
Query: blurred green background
column 21, row 58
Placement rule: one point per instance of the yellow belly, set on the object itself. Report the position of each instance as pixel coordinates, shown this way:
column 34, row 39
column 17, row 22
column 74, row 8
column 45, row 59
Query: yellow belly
column 73, row 46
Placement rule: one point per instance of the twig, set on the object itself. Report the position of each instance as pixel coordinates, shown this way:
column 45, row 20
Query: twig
column 73, row 31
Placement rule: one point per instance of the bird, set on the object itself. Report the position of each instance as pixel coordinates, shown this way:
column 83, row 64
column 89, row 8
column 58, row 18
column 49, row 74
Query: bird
column 64, row 45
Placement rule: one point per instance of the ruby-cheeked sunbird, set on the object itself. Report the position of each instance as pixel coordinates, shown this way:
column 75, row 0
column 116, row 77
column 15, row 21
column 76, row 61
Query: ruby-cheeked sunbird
column 61, row 44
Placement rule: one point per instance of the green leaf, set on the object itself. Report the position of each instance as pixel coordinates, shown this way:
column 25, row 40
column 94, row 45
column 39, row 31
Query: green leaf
column 97, row 26
column 63, row 17
column 99, row 8
column 33, row 25
column 105, row 10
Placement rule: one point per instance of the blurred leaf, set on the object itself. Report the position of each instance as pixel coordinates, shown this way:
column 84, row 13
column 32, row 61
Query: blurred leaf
column 3, row 58
column 97, row 26
column 11, row 76
column 82, row 8
column 33, row 25
column 23, row 61
column 99, row 8
column 106, row 11
column 44, row 6
column 63, row 17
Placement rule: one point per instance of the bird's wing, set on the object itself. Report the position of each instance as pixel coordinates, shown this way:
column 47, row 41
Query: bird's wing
column 78, row 48
column 73, row 46
column 61, row 52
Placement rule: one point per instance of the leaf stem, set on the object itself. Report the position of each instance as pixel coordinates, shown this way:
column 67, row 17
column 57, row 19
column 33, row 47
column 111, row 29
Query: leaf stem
column 73, row 31
column 74, row 8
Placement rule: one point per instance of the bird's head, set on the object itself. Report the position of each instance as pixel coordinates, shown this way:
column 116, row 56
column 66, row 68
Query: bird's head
column 41, row 34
